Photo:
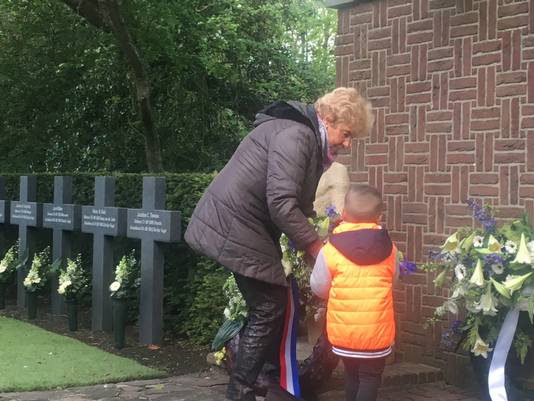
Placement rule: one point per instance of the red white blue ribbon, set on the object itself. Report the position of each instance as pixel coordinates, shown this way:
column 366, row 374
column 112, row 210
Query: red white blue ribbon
column 289, row 378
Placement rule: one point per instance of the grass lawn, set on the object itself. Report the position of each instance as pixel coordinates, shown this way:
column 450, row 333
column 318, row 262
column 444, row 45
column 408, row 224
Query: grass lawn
column 34, row 359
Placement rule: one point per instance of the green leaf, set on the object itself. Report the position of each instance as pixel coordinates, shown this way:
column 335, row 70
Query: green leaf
column 530, row 308
column 226, row 332
column 501, row 289
column 55, row 266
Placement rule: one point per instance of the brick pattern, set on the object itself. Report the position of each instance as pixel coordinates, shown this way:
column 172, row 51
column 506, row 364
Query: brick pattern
column 452, row 85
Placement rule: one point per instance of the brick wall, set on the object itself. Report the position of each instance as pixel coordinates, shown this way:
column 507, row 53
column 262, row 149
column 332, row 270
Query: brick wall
column 452, row 85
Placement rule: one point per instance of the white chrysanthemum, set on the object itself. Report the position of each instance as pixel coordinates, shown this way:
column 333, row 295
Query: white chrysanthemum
column 115, row 286
column 497, row 269
column 460, row 271
column 510, row 247
column 478, row 241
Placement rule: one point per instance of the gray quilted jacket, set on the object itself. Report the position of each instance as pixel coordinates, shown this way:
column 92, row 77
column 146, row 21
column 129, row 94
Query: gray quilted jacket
column 268, row 187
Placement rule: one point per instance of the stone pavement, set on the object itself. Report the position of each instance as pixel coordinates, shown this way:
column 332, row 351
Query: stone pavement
column 210, row 386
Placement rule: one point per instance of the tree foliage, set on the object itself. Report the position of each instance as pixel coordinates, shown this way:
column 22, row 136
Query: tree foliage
column 70, row 100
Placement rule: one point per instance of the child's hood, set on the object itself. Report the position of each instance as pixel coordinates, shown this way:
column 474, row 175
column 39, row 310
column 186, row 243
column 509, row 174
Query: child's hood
column 364, row 246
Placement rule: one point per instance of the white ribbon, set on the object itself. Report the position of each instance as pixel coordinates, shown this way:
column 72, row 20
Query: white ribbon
column 496, row 384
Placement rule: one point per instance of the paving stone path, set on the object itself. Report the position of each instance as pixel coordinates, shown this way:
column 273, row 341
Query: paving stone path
column 210, row 386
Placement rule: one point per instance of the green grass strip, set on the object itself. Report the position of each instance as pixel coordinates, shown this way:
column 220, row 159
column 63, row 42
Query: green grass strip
column 35, row 359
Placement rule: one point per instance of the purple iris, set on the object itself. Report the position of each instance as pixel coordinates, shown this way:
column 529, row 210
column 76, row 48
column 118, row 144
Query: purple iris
column 407, row 267
column 331, row 211
column 456, row 327
column 482, row 215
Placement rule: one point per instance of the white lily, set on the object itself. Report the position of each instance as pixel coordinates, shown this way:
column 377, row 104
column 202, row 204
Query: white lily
column 487, row 303
column 514, row 283
column 523, row 254
column 481, row 348
column 451, row 243
column 478, row 275
column 493, row 245
column 440, row 278
column 467, row 242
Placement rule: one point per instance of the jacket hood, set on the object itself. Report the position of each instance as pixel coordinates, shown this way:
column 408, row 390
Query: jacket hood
column 363, row 247
column 290, row 110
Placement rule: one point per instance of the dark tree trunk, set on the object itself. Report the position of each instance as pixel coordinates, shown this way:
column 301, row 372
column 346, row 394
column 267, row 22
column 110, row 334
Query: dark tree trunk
column 107, row 15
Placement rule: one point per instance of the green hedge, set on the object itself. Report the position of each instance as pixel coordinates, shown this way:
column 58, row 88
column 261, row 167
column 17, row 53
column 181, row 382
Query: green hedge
column 193, row 301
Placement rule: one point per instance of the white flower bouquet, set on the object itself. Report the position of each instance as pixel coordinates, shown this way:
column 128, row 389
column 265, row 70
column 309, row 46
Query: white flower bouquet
column 73, row 280
column 489, row 271
column 37, row 276
column 8, row 265
column 127, row 279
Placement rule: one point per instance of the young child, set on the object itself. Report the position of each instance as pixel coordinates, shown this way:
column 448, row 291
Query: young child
column 355, row 272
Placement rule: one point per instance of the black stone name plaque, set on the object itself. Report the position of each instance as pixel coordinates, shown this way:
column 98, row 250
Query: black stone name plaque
column 64, row 217
column 103, row 220
column 26, row 213
column 157, row 225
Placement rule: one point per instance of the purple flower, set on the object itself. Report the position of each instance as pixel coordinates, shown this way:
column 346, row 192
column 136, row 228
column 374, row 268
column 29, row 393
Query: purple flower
column 494, row 264
column 331, row 211
column 291, row 245
column 407, row 267
column 434, row 255
column 456, row 327
column 446, row 340
column 482, row 215
column 494, row 259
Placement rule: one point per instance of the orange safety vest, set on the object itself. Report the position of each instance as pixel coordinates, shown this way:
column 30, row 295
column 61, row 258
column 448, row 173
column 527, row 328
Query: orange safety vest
column 360, row 312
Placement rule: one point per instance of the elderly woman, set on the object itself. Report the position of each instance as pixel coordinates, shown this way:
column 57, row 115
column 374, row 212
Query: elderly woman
column 268, row 188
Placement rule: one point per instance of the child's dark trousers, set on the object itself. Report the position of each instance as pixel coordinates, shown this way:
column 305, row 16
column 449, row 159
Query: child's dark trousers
column 362, row 378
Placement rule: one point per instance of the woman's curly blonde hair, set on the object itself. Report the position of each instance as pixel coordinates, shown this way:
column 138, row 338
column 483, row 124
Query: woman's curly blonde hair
column 346, row 106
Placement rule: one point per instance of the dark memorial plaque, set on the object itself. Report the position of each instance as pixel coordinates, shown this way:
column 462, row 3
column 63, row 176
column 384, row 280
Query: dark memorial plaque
column 27, row 214
column 62, row 218
column 151, row 225
column 103, row 221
